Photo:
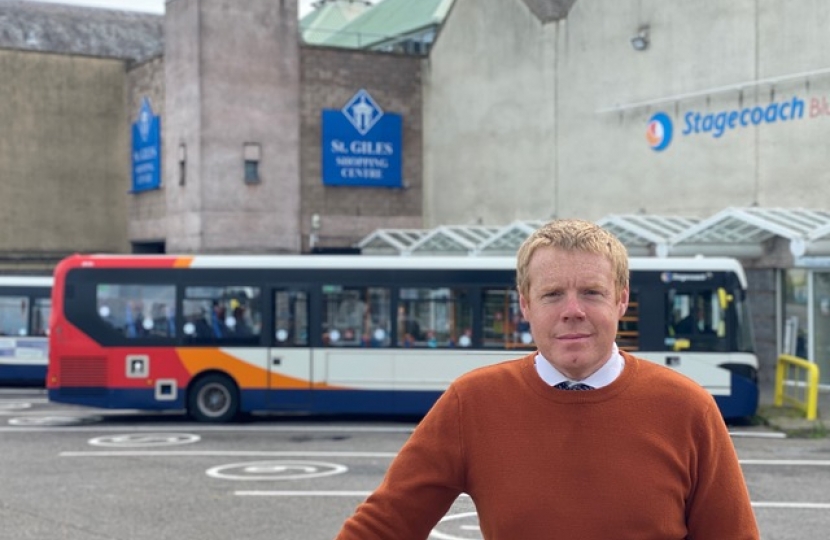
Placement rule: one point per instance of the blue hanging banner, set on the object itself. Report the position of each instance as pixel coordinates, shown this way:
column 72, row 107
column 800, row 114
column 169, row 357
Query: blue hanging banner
column 146, row 150
column 362, row 145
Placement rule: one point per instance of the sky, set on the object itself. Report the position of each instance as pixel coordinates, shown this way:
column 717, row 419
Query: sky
column 147, row 6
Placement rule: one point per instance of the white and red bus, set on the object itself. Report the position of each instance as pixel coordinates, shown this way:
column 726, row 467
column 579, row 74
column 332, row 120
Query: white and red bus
column 25, row 304
column 222, row 335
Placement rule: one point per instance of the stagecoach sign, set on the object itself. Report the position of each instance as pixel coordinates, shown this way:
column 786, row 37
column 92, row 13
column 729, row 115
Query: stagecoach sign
column 361, row 145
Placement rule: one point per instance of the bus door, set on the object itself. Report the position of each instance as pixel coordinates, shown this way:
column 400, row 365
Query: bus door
column 289, row 373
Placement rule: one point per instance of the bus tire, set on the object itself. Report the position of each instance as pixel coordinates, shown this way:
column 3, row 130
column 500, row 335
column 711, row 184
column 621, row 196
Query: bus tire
column 213, row 398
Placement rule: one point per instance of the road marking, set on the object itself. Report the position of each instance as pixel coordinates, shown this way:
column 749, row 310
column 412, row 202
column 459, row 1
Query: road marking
column 133, row 440
column 792, row 505
column 235, row 453
column 303, row 493
column 343, row 430
column 787, row 462
column 276, row 470
column 759, row 434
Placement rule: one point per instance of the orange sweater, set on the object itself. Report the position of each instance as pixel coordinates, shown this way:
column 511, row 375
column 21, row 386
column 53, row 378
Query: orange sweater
column 645, row 458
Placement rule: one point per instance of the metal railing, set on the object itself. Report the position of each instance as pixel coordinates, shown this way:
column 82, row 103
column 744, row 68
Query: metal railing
column 796, row 384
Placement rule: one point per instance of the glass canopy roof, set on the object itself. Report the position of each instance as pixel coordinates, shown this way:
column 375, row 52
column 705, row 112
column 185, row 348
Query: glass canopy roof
column 737, row 232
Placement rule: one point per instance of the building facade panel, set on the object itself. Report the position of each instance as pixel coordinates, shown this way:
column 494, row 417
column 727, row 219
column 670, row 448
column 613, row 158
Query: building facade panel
column 490, row 131
column 181, row 125
column 62, row 158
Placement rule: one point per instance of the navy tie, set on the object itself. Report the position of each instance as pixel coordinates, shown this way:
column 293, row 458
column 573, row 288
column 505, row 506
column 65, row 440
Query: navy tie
column 566, row 385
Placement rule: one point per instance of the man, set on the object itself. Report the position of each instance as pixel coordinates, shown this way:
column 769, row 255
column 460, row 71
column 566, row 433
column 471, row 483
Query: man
column 637, row 452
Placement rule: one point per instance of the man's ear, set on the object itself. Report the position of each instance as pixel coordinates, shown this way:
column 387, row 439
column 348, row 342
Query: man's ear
column 623, row 302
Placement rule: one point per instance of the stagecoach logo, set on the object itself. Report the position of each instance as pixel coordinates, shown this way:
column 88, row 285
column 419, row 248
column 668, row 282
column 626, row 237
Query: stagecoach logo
column 667, row 277
column 362, row 112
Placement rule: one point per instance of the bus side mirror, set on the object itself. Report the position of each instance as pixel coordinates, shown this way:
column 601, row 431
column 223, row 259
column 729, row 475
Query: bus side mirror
column 724, row 298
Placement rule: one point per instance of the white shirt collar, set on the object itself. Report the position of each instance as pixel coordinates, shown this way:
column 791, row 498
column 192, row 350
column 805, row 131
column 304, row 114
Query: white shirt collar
column 601, row 377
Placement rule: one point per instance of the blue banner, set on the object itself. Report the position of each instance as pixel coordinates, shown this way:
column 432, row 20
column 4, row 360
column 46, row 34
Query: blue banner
column 362, row 145
column 146, row 150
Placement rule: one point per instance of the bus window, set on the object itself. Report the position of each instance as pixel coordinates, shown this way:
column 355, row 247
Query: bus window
column 137, row 311
column 628, row 332
column 434, row 317
column 356, row 316
column 40, row 316
column 290, row 318
column 14, row 314
column 699, row 317
column 230, row 313
column 503, row 324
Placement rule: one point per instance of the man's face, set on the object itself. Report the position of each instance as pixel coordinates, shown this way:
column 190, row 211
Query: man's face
column 573, row 309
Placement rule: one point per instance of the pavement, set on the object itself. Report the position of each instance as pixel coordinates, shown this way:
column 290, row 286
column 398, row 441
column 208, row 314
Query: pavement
column 789, row 419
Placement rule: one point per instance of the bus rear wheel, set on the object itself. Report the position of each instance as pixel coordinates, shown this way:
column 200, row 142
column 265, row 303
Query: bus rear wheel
column 214, row 398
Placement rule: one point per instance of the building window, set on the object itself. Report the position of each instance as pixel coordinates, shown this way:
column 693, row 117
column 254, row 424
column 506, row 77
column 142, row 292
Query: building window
column 182, row 164
column 251, row 154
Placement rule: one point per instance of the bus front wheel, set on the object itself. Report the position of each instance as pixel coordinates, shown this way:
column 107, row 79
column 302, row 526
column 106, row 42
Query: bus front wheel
column 214, row 398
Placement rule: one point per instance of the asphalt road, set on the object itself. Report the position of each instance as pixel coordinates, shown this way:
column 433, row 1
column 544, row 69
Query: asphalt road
column 79, row 474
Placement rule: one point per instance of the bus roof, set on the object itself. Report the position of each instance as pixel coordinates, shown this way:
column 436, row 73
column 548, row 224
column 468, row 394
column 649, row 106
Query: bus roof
column 390, row 262
column 25, row 281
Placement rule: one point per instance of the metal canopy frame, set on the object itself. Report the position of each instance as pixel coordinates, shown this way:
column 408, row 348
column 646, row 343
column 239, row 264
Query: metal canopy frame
column 391, row 241
column 453, row 240
column 741, row 232
column 735, row 232
column 640, row 233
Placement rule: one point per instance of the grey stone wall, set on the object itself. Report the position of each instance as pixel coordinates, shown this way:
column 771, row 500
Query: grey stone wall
column 231, row 79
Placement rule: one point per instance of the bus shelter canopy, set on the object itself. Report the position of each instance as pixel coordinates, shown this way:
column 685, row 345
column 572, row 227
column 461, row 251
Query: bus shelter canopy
column 744, row 233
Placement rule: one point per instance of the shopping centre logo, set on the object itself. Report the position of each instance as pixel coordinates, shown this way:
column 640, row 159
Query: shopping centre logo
column 362, row 112
column 659, row 131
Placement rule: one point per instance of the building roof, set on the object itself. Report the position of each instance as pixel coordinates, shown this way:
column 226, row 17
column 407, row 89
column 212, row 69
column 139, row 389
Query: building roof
column 735, row 232
column 329, row 18
column 390, row 19
column 65, row 29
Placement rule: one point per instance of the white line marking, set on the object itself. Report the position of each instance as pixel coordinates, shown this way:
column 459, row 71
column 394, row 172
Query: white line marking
column 206, row 453
column 342, row 430
column 303, row 493
column 792, row 505
column 759, row 434
column 787, row 462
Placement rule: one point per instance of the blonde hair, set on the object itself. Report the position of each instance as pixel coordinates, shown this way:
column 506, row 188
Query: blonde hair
column 573, row 235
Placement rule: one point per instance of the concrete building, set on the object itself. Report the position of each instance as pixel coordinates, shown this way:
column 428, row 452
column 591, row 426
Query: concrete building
column 64, row 147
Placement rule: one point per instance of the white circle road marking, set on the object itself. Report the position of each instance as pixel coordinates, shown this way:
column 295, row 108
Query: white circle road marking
column 15, row 406
column 134, row 440
column 276, row 470
column 54, row 420
column 464, row 515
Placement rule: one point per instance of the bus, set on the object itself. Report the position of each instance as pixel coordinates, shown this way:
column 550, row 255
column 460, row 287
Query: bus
column 25, row 305
column 225, row 336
